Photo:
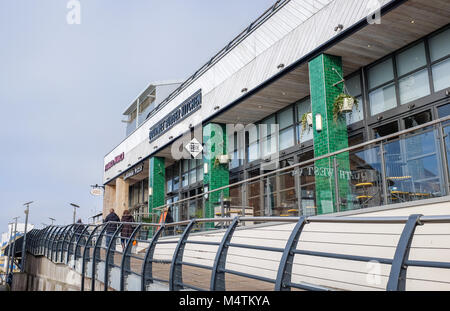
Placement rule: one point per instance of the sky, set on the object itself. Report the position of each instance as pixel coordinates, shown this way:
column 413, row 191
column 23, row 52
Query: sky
column 64, row 87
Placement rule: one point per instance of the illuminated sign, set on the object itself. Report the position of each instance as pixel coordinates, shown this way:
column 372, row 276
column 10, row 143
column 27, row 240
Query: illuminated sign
column 188, row 107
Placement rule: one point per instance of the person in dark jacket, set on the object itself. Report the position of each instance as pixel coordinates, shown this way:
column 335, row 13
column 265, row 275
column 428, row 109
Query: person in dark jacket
column 111, row 228
column 169, row 219
column 127, row 229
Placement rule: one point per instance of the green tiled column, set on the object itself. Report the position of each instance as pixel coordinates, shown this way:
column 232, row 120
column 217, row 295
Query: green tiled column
column 157, row 181
column 333, row 136
column 215, row 144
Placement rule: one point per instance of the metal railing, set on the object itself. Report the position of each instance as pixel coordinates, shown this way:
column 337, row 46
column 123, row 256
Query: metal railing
column 136, row 263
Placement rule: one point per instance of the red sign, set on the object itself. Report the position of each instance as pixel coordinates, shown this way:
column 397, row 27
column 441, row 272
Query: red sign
column 116, row 160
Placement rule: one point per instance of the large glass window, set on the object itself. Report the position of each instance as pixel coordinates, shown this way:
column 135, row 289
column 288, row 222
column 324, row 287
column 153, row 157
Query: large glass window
column 382, row 95
column 382, row 99
column 381, row 73
column 441, row 75
column 411, row 59
column 440, row 45
column 267, row 131
column 286, row 123
column 415, row 85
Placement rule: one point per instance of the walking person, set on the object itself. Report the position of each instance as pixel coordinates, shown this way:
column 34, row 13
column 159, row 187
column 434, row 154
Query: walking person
column 111, row 228
column 169, row 219
column 127, row 228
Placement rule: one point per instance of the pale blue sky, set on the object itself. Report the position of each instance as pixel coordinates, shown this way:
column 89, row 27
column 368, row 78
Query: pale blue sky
column 64, row 87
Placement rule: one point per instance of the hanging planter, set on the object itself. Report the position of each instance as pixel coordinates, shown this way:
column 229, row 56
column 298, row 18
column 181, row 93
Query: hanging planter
column 307, row 122
column 343, row 104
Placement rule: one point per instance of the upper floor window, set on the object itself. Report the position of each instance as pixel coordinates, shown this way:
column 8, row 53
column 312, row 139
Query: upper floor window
column 382, row 93
column 440, row 57
column 353, row 86
column 413, row 74
column 286, row 124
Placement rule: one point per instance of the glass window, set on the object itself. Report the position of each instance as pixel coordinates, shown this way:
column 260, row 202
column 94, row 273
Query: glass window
column 418, row 119
column 185, row 165
column 267, row 127
column 382, row 99
column 286, row 118
column 441, row 75
column 200, row 173
column 353, row 85
column 414, row 86
column 253, row 152
column 303, row 107
column 386, row 129
column 381, row 73
column 357, row 113
column 286, row 138
column 444, row 111
column 193, row 176
column 411, row 59
column 440, row 45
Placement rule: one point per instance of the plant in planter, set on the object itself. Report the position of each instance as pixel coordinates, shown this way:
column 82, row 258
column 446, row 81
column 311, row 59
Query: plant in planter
column 344, row 103
column 307, row 122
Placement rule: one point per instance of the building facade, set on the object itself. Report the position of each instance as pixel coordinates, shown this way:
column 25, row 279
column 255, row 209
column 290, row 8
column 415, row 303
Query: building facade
column 243, row 115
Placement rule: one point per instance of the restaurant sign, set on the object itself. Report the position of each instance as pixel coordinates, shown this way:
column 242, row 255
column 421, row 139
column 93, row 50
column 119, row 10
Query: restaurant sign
column 116, row 160
column 133, row 171
column 188, row 107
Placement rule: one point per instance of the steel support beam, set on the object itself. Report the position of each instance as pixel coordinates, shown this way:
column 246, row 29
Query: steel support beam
column 176, row 269
column 147, row 266
column 217, row 274
column 125, row 265
column 284, row 276
column 397, row 277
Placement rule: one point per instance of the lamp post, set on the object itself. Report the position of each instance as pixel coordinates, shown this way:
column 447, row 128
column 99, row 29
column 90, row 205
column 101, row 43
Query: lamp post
column 13, row 246
column 52, row 219
column 27, row 211
column 74, row 210
column 9, row 248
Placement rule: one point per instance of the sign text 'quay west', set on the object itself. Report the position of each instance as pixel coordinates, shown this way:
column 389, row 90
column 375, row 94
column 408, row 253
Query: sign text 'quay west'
column 188, row 107
column 116, row 160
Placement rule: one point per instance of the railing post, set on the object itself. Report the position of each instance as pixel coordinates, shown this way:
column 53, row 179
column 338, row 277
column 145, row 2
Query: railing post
column 59, row 240
column 85, row 251
column 397, row 277
column 126, row 259
column 49, row 239
column 336, row 184
column 108, row 254
column 383, row 173
column 96, row 254
column 70, row 246
column 147, row 266
column 284, row 275
column 444, row 159
column 64, row 242
column 176, row 269
column 77, row 252
column 217, row 274
column 55, row 242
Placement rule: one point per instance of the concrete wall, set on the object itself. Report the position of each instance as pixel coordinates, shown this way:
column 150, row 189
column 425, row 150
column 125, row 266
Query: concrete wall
column 44, row 275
